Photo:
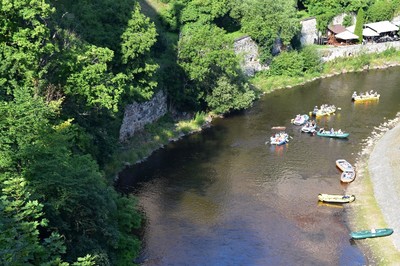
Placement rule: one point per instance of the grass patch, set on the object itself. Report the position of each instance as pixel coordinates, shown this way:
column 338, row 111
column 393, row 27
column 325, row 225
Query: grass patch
column 271, row 83
column 154, row 136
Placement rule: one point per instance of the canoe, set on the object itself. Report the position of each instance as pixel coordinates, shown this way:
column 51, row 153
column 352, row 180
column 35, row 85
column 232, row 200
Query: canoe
column 328, row 134
column 344, row 165
column 279, row 128
column 371, row 233
column 347, row 176
column 336, row 198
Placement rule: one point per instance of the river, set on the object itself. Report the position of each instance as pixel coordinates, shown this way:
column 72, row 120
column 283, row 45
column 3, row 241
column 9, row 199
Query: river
column 225, row 197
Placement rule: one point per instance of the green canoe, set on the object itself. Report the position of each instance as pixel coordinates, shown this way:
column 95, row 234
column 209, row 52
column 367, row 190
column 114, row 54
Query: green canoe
column 325, row 133
column 371, row 233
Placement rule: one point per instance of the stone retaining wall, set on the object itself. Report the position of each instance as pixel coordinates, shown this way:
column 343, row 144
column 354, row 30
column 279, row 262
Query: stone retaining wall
column 137, row 115
column 330, row 53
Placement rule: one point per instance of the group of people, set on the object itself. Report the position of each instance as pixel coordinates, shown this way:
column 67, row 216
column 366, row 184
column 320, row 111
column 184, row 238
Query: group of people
column 332, row 131
column 279, row 137
column 366, row 95
column 325, row 108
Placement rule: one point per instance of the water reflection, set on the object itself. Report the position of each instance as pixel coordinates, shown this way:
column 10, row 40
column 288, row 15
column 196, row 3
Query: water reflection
column 224, row 197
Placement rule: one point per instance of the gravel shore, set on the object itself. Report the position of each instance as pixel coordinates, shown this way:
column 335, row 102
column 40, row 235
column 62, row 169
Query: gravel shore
column 384, row 169
column 377, row 188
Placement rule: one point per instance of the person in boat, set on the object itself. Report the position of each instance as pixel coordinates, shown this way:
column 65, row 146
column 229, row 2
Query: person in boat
column 354, row 94
column 332, row 131
column 339, row 131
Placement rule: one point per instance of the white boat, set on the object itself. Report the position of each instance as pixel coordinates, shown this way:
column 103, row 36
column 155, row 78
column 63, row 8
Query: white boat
column 309, row 127
column 344, row 165
column 300, row 119
column 279, row 138
column 347, row 176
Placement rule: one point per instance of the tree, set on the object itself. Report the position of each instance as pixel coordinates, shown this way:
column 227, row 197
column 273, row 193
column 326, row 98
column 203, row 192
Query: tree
column 267, row 21
column 137, row 40
column 229, row 95
column 358, row 30
column 20, row 221
column 25, row 44
column 380, row 10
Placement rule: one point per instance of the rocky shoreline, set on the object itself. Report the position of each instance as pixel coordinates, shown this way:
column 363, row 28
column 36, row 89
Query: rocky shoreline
column 378, row 186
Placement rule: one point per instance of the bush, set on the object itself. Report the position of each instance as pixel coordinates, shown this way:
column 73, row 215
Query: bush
column 288, row 64
column 312, row 60
column 380, row 10
column 228, row 96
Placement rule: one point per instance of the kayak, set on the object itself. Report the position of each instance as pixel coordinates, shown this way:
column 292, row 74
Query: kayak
column 371, row 233
column 336, row 198
column 344, row 165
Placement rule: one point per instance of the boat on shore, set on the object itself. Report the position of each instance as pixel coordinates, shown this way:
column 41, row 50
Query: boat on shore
column 344, row 165
column 347, row 176
column 371, row 233
column 367, row 96
column 333, row 198
column 332, row 134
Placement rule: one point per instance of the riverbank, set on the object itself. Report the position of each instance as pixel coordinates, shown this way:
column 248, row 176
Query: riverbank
column 167, row 129
column 338, row 66
column 377, row 188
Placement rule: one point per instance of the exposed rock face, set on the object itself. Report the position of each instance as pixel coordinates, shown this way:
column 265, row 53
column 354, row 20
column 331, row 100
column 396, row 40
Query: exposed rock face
column 309, row 32
column 137, row 115
column 248, row 49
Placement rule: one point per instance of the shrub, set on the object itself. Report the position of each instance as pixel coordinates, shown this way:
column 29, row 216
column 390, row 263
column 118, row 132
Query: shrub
column 312, row 60
column 288, row 64
column 228, row 96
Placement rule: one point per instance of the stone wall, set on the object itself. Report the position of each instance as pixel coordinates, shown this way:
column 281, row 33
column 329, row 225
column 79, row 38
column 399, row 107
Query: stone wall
column 137, row 115
column 330, row 53
column 309, row 31
column 246, row 48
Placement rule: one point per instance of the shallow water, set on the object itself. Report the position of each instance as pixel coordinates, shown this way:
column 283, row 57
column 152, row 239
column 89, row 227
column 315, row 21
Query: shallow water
column 225, row 197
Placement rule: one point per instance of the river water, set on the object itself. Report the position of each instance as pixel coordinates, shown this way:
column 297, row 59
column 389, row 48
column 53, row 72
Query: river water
column 225, row 197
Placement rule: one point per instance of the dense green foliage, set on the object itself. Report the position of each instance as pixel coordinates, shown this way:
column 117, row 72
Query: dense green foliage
column 325, row 10
column 67, row 71
column 382, row 10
